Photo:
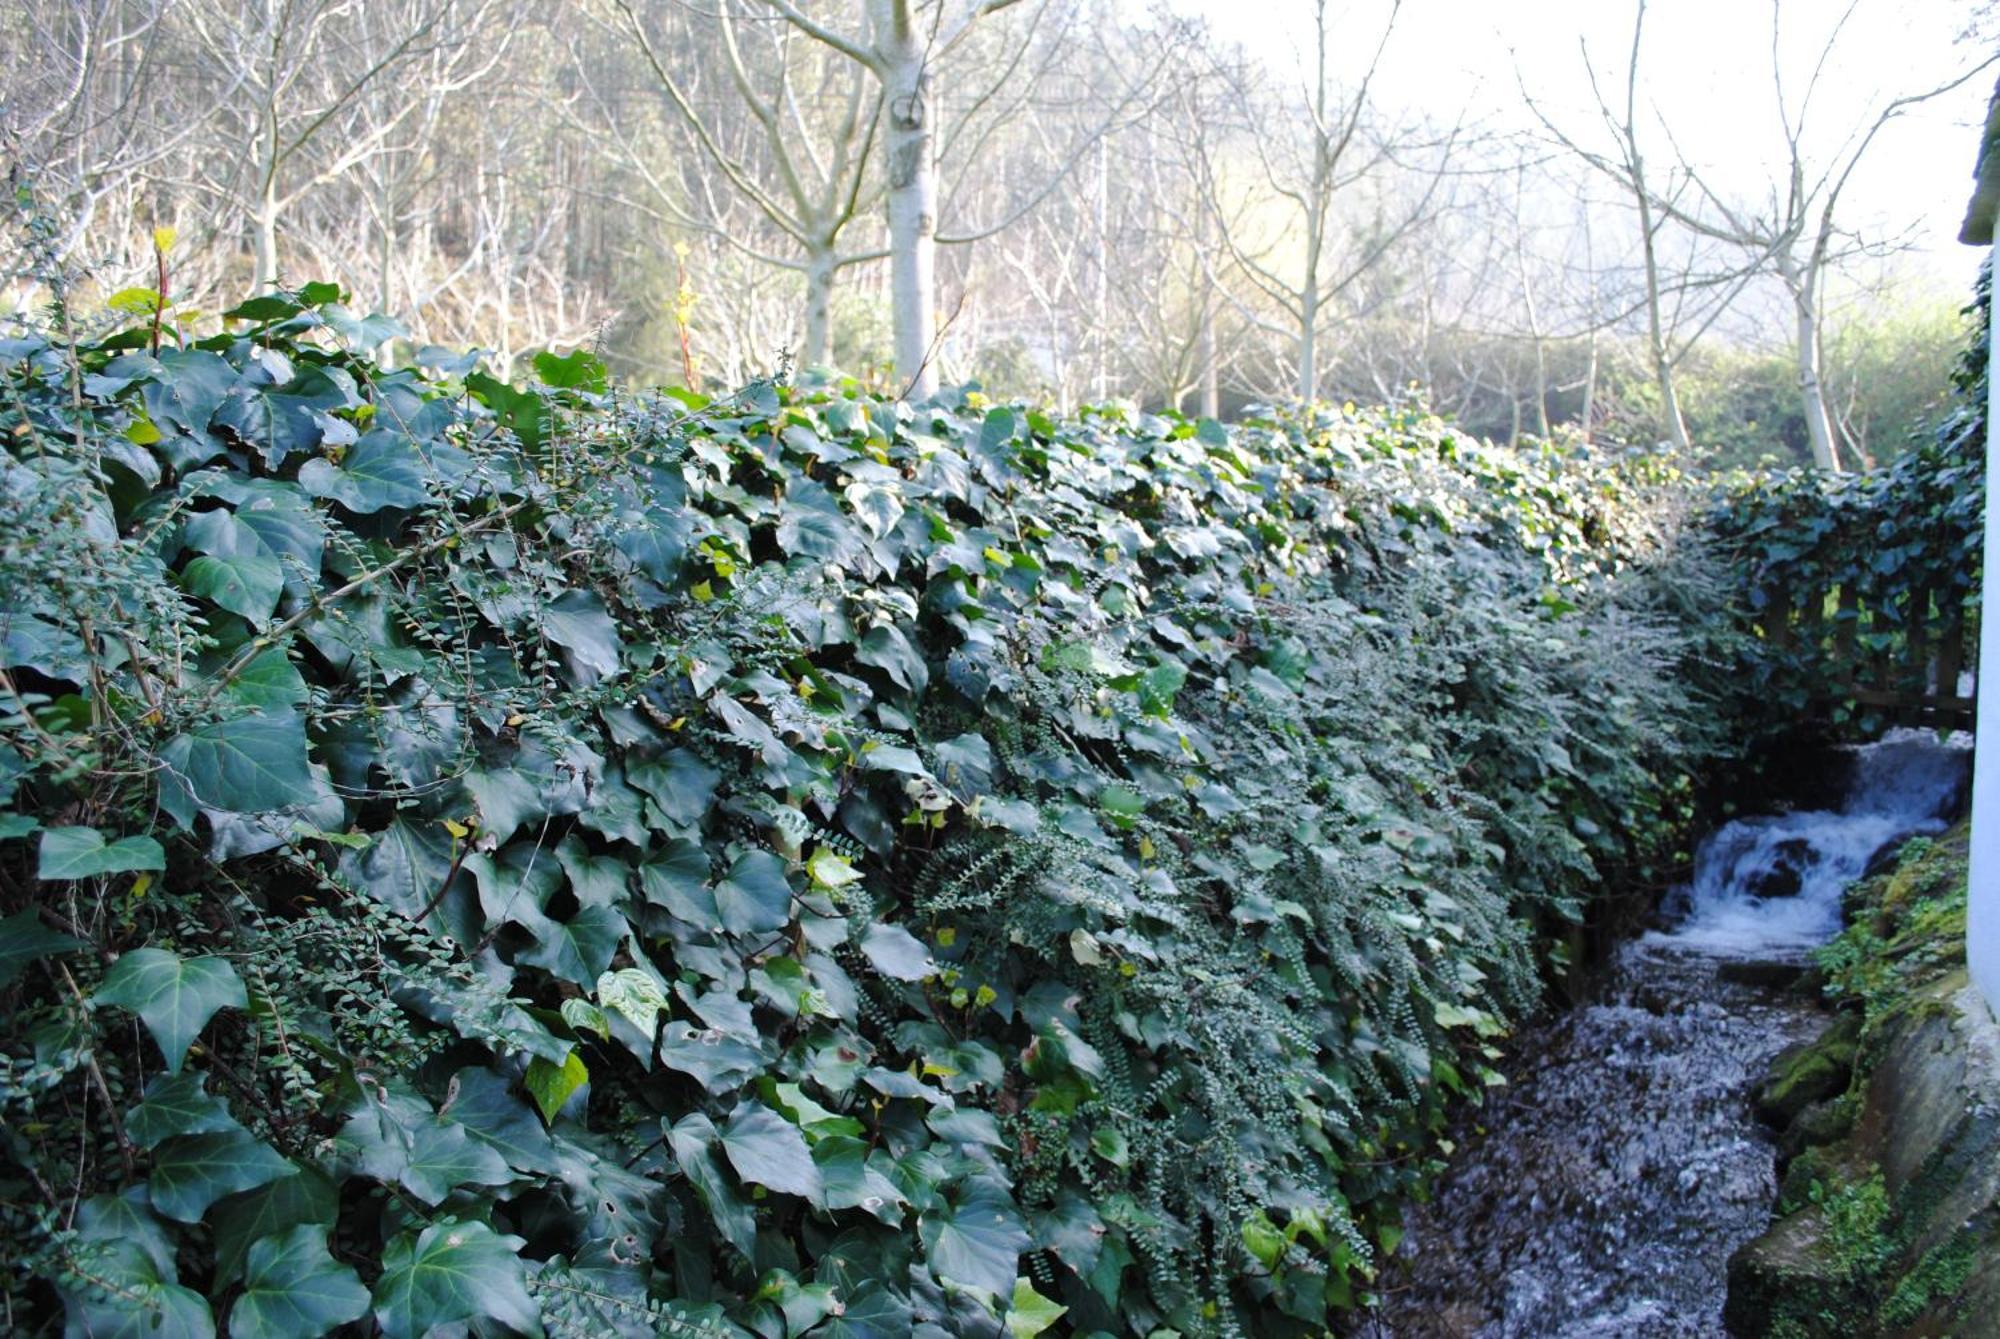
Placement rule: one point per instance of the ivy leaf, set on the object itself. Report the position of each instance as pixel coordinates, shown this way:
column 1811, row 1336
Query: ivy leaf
column 977, row 1240
column 82, row 853
column 130, row 1296
column 873, row 1312
column 269, row 682
column 680, row 784
column 1029, row 1313
column 896, row 953
column 693, row 1142
column 294, row 1289
column 756, row 896
column 677, row 879
column 24, row 939
column 634, row 995
column 490, row 1112
column 381, row 470
column 246, row 765
column 175, row 997
column 193, row 1171
column 576, row 621
column 451, row 1272
column 888, row 649
column 812, row 525
column 306, row 1196
column 768, row 1150
column 248, row 584
column 396, row 1137
column 176, row 1104
column 552, row 1085
column 849, row 1182
column 579, row 948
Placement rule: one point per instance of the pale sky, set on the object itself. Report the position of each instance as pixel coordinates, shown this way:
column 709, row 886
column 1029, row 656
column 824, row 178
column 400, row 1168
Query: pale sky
column 1706, row 70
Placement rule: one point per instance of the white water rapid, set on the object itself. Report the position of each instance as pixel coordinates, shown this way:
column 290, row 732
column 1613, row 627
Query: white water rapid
column 1770, row 886
column 1600, row 1193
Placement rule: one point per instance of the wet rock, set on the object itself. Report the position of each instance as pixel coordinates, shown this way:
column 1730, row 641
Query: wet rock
column 1774, row 974
column 1794, row 1259
column 1814, row 1072
column 1786, row 874
column 1821, row 1123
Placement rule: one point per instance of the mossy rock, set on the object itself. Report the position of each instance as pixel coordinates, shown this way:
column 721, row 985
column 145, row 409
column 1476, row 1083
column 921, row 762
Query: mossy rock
column 1816, row 1071
column 1790, row 1281
column 1820, row 1123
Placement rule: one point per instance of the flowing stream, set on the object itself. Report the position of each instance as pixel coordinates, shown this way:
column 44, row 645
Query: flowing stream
column 1601, row 1191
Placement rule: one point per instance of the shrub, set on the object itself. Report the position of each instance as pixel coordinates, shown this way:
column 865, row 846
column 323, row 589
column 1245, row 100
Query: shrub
column 542, row 859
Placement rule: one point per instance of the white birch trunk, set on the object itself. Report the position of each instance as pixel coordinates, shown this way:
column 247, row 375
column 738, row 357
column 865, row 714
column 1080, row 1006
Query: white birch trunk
column 912, row 149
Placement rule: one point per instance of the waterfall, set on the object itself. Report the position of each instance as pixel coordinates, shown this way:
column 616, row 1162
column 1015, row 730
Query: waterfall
column 1771, row 886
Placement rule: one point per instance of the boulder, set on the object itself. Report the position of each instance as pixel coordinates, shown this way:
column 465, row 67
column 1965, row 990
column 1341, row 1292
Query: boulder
column 1812, row 1072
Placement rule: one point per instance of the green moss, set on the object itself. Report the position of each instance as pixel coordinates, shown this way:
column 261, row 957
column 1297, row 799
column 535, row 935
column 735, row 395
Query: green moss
column 1940, row 1274
column 1839, row 1260
column 1812, row 1073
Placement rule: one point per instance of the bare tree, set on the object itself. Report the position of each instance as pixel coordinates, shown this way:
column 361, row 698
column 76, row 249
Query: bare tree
column 1334, row 148
column 1794, row 231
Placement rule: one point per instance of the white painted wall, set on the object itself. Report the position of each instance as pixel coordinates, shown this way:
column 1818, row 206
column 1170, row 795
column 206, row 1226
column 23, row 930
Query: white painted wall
column 1982, row 930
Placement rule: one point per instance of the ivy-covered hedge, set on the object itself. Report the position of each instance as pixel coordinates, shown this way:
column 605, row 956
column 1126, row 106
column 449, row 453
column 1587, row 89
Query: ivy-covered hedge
column 533, row 860
column 1900, row 543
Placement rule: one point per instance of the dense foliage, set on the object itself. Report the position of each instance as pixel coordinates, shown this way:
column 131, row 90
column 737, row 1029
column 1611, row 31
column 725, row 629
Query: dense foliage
column 537, row 860
column 1852, row 565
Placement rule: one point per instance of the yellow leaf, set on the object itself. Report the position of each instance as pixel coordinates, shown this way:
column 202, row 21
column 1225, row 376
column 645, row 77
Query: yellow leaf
column 703, row 592
column 456, row 829
column 135, row 301
column 947, row 936
column 141, row 884
column 142, row 432
column 163, row 239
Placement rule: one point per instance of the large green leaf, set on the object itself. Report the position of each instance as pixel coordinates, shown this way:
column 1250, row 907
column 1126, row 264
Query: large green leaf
column 248, row 585
column 399, row 1139
column 693, row 1140
column 294, row 1289
column 576, row 621
column 552, row 1084
column 383, row 469
column 82, row 853
column 676, row 878
column 193, row 1171
column 452, row 1272
column 306, row 1196
column 756, row 895
column 769, row 1151
column 248, row 764
column 873, row 1311
column 976, row 1240
column 579, row 948
column 127, row 1295
column 269, row 682
column 174, row 996
column 177, row 1104
column 889, row 649
column 24, row 939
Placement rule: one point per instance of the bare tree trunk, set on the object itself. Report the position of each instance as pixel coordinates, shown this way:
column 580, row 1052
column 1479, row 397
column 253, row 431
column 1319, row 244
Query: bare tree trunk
column 1671, row 422
column 1308, row 336
column 819, row 309
column 913, row 205
column 1812, row 393
column 266, row 224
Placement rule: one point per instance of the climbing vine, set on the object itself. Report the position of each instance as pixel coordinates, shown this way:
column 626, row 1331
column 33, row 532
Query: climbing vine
column 535, row 858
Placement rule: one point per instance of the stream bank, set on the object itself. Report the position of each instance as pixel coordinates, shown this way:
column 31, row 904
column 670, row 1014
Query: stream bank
column 1604, row 1189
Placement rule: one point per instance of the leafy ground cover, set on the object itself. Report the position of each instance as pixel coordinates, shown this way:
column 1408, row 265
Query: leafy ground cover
column 530, row 859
